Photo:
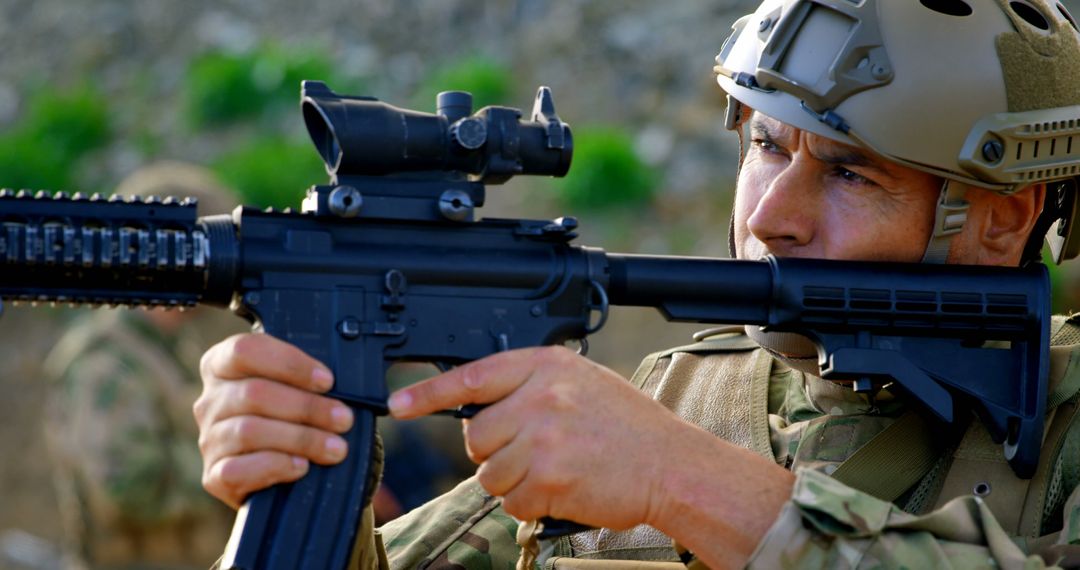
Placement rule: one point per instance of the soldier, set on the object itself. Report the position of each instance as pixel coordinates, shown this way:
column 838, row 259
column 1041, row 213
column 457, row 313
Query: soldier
column 874, row 131
column 120, row 429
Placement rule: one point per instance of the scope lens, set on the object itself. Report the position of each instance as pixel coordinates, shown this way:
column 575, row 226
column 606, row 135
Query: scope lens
column 322, row 135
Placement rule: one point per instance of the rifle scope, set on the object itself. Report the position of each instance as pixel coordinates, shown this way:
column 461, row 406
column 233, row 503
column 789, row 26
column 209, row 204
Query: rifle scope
column 364, row 136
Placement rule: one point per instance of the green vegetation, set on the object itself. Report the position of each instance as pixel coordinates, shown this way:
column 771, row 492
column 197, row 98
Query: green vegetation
column 223, row 88
column 257, row 94
column 57, row 130
column 606, row 172
column 244, row 107
column 489, row 82
column 271, row 171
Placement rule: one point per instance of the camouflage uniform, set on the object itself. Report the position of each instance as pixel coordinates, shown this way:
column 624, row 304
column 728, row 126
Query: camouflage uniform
column 123, row 438
column 811, row 426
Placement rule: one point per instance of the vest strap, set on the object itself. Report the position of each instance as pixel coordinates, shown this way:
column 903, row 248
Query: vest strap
column 893, row 461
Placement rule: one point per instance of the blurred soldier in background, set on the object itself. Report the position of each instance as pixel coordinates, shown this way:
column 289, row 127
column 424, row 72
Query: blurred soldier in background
column 120, row 427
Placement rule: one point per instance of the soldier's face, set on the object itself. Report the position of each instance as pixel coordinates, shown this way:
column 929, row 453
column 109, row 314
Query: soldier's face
column 803, row 195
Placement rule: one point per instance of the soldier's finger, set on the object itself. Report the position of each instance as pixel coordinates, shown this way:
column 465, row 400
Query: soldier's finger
column 232, row 479
column 483, row 381
column 523, row 503
column 505, row 469
column 494, row 427
column 240, row 435
column 260, row 355
column 255, row 396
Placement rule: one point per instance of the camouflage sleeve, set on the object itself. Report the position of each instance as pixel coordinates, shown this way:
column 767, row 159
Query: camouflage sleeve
column 465, row 528
column 115, row 439
column 1066, row 549
column 827, row 524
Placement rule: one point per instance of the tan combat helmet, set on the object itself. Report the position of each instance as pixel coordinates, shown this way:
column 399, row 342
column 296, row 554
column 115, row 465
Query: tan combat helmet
column 180, row 180
column 984, row 92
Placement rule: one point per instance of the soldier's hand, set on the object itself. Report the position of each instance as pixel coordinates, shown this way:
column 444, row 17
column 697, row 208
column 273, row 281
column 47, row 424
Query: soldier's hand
column 568, row 438
column 261, row 416
column 564, row 437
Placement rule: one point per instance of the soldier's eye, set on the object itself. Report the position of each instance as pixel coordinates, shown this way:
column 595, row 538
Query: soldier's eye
column 851, row 177
column 765, row 145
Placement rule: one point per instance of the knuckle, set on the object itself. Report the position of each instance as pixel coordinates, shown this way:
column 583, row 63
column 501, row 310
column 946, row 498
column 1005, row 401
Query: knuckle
column 520, row 508
column 229, row 351
column 250, row 393
column 472, row 379
column 310, row 441
column 207, row 480
column 555, row 354
column 243, row 346
column 552, row 397
column 473, row 455
column 550, row 440
column 512, row 505
column 544, row 441
column 223, row 481
column 430, row 392
column 200, row 409
column 485, row 478
column 546, row 487
column 210, row 483
column 316, row 410
column 205, row 364
column 470, row 449
column 550, row 481
column 245, row 430
column 204, row 443
column 231, row 478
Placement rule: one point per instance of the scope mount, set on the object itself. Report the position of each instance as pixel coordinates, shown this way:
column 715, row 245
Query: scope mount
column 391, row 198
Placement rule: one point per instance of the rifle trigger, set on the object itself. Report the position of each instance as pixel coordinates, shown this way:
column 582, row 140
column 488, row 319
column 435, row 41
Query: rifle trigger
column 465, row 412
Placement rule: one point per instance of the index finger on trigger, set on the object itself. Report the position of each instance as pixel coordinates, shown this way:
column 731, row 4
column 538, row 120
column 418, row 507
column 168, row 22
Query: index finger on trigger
column 263, row 356
column 483, row 381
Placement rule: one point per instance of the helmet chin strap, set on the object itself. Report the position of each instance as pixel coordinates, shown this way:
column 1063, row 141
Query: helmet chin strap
column 733, row 121
column 949, row 218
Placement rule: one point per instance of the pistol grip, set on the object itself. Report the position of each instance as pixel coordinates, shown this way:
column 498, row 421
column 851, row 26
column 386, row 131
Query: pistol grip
column 310, row 524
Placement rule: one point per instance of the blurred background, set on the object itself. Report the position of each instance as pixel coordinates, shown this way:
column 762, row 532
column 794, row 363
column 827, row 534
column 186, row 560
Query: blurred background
column 93, row 91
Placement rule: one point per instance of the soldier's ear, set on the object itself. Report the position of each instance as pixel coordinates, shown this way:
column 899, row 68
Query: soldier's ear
column 1006, row 222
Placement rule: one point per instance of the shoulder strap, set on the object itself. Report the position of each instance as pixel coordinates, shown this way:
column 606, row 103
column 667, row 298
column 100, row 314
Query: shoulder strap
column 893, row 461
column 1065, row 338
column 717, row 339
column 1065, row 416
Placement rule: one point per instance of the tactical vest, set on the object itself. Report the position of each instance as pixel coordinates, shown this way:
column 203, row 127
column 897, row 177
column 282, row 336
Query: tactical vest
column 706, row 384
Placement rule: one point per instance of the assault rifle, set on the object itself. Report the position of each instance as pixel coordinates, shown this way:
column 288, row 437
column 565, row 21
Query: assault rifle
column 386, row 263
